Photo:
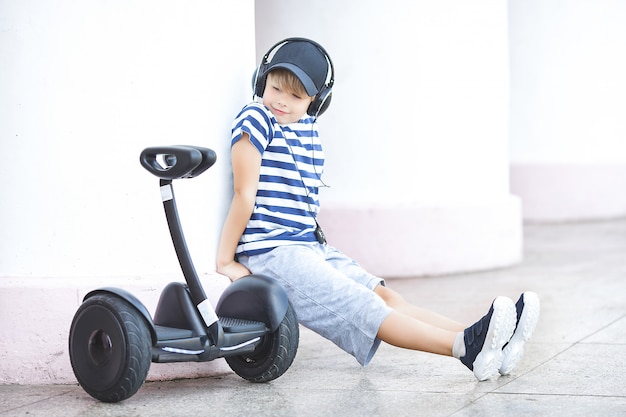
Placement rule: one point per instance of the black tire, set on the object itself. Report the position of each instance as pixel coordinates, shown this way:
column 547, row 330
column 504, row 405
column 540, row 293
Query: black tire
column 273, row 356
column 110, row 348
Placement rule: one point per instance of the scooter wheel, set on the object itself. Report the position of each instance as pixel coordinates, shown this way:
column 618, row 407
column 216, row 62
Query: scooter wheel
column 273, row 356
column 110, row 348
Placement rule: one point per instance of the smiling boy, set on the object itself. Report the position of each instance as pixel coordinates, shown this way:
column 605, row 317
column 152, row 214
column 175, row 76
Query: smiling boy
column 271, row 229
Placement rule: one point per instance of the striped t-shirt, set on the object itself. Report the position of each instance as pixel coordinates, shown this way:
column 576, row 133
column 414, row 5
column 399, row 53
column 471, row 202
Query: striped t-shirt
column 292, row 158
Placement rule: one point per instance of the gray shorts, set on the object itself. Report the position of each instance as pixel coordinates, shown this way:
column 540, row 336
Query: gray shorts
column 331, row 293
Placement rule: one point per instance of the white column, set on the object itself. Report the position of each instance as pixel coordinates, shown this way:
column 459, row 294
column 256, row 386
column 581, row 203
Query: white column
column 86, row 85
column 416, row 137
column 568, row 147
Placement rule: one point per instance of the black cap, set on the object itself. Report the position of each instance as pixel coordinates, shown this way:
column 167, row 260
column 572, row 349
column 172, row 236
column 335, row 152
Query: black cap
column 305, row 60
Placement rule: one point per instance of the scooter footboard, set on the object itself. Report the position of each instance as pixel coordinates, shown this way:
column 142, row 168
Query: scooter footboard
column 256, row 298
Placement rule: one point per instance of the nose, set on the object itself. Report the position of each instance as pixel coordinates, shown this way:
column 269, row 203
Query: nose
column 282, row 99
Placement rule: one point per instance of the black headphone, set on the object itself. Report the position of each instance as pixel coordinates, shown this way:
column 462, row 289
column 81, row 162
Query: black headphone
column 322, row 99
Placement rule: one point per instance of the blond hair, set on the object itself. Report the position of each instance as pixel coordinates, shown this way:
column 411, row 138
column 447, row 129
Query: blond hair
column 286, row 80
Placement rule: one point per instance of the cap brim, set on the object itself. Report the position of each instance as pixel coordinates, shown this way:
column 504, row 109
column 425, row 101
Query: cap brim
column 306, row 81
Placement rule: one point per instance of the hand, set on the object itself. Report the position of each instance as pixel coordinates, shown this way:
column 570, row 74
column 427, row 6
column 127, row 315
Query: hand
column 233, row 270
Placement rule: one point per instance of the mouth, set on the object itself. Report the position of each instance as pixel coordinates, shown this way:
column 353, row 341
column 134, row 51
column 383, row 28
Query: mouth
column 279, row 112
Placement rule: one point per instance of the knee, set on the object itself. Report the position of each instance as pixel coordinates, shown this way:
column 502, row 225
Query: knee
column 389, row 296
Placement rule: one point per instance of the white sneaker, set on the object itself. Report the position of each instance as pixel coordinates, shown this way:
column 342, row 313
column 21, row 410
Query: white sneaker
column 485, row 339
column 527, row 316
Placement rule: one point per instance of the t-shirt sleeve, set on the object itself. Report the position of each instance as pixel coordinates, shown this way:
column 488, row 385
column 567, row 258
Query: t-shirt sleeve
column 254, row 121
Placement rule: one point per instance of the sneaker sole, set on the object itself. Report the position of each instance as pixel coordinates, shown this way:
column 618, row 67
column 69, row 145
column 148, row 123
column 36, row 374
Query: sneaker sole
column 514, row 350
column 501, row 327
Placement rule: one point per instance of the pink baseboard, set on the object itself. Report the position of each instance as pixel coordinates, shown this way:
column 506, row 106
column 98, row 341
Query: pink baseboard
column 35, row 318
column 412, row 240
column 570, row 192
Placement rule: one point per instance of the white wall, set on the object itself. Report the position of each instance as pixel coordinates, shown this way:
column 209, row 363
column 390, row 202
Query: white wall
column 568, row 147
column 85, row 86
column 416, row 137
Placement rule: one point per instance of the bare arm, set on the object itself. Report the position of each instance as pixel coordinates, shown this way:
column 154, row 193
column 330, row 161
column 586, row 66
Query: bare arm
column 246, row 161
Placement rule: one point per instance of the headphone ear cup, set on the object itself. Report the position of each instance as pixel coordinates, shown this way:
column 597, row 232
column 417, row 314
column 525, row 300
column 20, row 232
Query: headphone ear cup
column 325, row 103
column 258, row 80
column 320, row 103
column 254, row 81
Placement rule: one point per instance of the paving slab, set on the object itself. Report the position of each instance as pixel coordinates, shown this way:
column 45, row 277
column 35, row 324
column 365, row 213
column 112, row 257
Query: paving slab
column 573, row 365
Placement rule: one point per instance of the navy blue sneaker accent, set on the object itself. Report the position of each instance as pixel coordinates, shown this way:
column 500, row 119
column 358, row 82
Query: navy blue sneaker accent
column 485, row 338
column 528, row 309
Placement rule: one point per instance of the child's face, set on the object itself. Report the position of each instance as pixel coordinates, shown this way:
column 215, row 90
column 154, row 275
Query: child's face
column 286, row 105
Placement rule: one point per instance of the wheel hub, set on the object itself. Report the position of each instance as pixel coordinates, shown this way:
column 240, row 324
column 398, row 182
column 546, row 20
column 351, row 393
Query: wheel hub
column 100, row 347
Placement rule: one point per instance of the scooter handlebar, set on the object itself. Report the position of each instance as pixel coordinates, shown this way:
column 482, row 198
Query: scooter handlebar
column 175, row 162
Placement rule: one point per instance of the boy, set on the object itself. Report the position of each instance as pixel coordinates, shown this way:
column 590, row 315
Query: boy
column 271, row 229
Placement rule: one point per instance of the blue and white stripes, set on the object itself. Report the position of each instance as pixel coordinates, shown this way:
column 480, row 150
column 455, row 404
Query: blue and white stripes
column 284, row 211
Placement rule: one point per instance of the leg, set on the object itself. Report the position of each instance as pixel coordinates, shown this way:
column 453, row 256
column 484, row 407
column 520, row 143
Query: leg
column 479, row 347
column 398, row 303
column 404, row 331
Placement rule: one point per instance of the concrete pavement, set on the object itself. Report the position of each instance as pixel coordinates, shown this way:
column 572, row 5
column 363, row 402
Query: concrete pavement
column 574, row 364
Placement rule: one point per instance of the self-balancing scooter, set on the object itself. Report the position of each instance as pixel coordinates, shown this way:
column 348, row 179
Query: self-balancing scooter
column 113, row 339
